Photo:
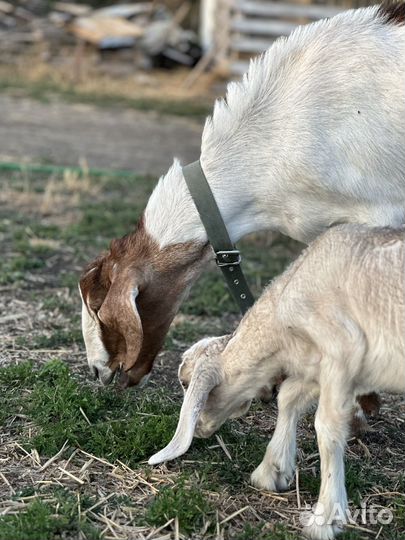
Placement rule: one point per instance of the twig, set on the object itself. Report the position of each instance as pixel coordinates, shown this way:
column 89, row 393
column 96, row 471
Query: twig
column 105, row 462
column 102, row 501
column 358, row 528
column 15, row 317
column 85, row 416
column 8, row 483
column 156, row 531
column 364, row 447
column 379, row 532
column 72, row 476
column 34, row 459
column 297, row 487
column 223, row 446
column 54, row 458
column 234, row 514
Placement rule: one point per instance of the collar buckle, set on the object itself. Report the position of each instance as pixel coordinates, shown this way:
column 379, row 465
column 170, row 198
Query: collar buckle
column 228, row 258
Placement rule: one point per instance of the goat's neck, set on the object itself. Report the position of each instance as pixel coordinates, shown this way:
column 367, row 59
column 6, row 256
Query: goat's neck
column 248, row 373
column 254, row 355
column 172, row 218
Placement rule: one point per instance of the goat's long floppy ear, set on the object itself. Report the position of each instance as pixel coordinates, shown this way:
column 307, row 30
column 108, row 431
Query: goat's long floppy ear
column 119, row 312
column 207, row 374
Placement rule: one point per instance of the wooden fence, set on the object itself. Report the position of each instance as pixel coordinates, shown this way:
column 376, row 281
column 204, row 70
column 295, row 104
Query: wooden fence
column 240, row 29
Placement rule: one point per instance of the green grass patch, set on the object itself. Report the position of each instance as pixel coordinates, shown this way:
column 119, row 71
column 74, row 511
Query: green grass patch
column 360, row 477
column 310, row 482
column 128, row 426
column 184, row 501
column 14, row 269
column 182, row 335
column 124, row 425
column 210, row 296
column 55, row 518
column 57, row 339
column 100, row 222
column 398, row 507
column 53, row 302
column 17, row 376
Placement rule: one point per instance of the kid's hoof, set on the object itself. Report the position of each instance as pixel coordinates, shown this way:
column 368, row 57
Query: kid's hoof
column 270, row 478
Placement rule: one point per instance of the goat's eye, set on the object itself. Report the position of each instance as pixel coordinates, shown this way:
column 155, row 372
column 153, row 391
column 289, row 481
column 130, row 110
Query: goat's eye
column 184, row 385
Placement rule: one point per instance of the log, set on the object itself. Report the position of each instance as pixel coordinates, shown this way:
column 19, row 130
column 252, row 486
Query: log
column 102, row 30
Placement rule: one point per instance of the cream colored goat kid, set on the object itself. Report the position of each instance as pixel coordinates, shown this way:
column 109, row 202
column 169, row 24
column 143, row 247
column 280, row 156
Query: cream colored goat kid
column 334, row 325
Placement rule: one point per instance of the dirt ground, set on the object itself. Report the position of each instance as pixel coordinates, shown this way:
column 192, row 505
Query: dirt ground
column 108, row 138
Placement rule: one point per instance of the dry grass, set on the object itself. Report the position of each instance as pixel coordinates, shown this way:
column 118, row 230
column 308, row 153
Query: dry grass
column 162, row 91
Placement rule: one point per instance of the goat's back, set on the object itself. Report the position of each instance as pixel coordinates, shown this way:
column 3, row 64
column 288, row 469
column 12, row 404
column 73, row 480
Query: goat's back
column 351, row 273
column 320, row 121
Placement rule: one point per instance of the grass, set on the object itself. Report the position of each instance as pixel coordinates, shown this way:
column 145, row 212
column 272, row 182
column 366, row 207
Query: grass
column 185, row 502
column 49, row 228
column 51, row 519
column 114, row 426
column 100, row 421
column 109, row 423
column 45, row 88
column 58, row 338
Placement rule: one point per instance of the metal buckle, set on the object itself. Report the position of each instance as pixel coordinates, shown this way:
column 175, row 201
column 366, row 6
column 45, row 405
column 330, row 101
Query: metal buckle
column 228, row 258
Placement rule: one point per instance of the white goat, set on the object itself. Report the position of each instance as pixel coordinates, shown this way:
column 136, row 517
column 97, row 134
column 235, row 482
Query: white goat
column 334, row 325
column 313, row 136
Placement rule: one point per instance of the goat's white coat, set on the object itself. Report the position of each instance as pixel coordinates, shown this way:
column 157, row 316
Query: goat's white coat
column 334, row 325
column 314, row 135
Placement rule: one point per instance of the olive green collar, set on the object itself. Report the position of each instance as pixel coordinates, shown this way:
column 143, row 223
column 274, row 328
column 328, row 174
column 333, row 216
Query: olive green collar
column 227, row 257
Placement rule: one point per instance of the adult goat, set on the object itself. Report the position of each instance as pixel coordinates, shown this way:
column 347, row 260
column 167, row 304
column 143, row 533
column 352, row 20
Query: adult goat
column 314, row 135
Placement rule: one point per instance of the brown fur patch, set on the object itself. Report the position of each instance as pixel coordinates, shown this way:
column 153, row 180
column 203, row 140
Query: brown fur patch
column 370, row 403
column 392, row 12
column 161, row 276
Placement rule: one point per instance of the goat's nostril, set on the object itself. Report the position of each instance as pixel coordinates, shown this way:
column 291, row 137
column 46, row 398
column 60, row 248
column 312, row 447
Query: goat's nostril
column 96, row 373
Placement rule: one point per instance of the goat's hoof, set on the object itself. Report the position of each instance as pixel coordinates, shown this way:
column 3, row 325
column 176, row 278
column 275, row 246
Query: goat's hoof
column 319, row 531
column 270, row 478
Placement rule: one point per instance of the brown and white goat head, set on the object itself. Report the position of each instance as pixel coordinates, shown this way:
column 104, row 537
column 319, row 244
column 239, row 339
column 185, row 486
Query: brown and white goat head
column 130, row 296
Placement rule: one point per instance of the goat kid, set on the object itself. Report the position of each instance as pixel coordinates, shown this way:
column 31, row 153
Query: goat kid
column 334, row 325
column 313, row 136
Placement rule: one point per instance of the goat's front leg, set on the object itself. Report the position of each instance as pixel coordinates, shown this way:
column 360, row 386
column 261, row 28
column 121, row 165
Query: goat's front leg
column 277, row 468
column 332, row 426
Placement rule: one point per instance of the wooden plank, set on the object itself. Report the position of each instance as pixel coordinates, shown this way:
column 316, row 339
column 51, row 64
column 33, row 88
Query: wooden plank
column 6, row 7
column 263, row 27
column 102, row 30
column 251, row 45
column 264, row 8
column 125, row 11
column 72, row 9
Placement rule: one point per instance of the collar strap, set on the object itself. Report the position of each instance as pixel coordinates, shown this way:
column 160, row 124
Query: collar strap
column 227, row 256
